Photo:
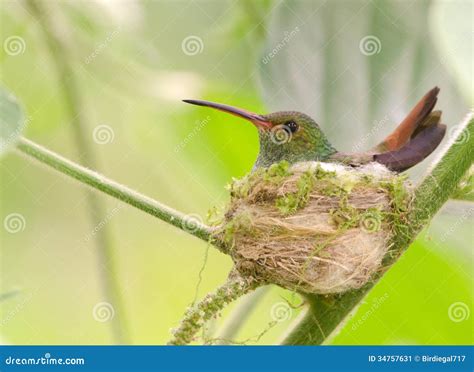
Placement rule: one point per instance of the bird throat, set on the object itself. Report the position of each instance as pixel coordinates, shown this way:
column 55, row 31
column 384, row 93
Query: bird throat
column 276, row 149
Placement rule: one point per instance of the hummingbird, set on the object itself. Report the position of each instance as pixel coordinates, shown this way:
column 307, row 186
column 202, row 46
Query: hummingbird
column 294, row 137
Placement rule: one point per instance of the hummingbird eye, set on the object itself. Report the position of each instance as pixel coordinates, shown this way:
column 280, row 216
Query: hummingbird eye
column 292, row 126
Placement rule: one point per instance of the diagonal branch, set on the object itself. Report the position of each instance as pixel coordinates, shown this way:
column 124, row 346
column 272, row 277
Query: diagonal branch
column 326, row 316
column 116, row 190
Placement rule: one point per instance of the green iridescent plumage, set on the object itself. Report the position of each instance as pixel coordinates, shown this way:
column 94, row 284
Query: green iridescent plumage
column 307, row 142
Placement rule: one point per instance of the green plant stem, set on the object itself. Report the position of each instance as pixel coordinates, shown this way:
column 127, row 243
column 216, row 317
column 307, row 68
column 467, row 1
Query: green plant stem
column 465, row 189
column 70, row 93
column 114, row 189
column 325, row 316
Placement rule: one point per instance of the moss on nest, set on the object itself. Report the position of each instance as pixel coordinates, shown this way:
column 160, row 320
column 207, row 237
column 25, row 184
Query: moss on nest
column 313, row 227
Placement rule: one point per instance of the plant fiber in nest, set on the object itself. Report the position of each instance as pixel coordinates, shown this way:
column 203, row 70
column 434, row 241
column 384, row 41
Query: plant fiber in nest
column 313, row 227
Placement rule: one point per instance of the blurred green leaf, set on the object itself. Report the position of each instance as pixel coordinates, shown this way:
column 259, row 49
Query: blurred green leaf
column 7, row 295
column 451, row 27
column 12, row 120
column 357, row 67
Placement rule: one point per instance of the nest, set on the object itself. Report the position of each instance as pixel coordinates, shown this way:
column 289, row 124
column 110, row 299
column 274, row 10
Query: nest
column 313, row 227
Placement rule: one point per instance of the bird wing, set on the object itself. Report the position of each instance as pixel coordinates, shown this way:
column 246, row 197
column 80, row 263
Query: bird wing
column 411, row 125
column 413, row 140
column 418, row 148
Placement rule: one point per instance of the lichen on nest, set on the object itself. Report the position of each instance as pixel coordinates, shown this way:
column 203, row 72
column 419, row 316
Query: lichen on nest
column 313, row 227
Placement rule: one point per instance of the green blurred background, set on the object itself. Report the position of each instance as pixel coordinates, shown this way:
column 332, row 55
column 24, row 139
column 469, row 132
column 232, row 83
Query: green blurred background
column 356, row 66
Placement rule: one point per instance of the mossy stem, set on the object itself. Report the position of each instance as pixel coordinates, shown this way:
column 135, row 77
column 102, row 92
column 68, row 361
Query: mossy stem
column 197, row 315
column 240, row 314
column 326, row 316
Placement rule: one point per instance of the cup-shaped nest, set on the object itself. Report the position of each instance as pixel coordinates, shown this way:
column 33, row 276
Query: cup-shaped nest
column 313, row 227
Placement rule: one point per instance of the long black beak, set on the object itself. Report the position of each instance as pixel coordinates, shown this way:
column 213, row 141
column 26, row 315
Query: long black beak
column 258, row 120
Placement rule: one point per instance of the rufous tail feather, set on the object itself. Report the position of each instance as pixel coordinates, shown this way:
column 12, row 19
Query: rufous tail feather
column 409, row 126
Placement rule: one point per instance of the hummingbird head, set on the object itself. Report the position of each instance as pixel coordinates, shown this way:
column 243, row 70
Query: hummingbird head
column 283, row 135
